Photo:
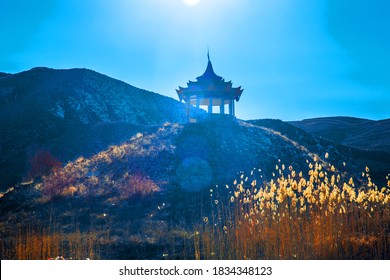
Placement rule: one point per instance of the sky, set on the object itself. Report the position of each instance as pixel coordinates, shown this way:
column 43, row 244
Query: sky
column 295, row 59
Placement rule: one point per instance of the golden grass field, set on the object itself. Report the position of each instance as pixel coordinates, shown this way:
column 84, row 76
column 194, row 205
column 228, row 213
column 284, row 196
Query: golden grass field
column 293, row 217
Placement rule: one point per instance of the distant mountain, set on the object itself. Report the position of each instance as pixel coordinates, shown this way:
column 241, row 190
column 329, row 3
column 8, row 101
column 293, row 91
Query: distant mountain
column 71, row 113
column 359, row 133
column 355, row 159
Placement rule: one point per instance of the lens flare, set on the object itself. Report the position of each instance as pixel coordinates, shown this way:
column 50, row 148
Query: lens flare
column 191, row 2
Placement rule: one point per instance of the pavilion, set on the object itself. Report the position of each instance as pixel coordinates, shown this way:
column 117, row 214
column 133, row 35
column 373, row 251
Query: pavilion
column 209, row 91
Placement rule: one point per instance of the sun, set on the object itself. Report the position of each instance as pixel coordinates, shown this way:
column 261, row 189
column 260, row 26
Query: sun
column 191, row 2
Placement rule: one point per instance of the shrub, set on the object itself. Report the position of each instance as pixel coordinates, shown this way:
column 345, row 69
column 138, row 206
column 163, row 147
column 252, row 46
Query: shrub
column 42, row 163
column 136, row 185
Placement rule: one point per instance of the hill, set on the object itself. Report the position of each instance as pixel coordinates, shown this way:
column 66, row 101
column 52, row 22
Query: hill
column 359, row 133
column 70, row 113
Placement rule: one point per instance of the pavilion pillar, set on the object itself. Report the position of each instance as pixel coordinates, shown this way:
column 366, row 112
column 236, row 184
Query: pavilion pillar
column 234, row 108
column 222, row 108
column 211, row 106
column 188, row 106
column 231, row 108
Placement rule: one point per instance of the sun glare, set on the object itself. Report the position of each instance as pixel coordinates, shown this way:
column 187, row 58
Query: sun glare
column 191, row 2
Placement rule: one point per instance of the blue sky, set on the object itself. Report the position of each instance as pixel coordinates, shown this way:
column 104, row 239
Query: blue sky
column 295, row 59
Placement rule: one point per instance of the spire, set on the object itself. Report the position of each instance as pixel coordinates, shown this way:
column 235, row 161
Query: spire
column 209, row 73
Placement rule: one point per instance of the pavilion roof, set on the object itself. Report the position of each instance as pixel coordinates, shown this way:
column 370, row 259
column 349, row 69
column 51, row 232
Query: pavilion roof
column 209, row 74
column 209, row 85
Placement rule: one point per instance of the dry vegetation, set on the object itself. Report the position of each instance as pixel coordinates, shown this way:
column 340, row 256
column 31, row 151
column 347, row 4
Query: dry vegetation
column 293, row 217
column 40, row 243
column 120, row 171
column 42, row 163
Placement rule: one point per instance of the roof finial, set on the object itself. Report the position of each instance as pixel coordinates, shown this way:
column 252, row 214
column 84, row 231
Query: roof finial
column 208, row 54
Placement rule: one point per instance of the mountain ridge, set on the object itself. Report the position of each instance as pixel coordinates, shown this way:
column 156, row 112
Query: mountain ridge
column 3, row 74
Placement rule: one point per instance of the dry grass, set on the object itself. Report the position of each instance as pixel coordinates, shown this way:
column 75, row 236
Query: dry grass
column 321, row 216
column 39, row 243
